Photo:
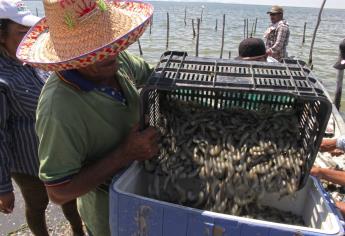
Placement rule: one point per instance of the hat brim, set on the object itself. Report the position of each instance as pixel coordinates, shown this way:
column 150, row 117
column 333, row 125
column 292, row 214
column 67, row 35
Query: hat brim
column 27, row 20
column 35, row 42
column 340, row 64
column 274, row 12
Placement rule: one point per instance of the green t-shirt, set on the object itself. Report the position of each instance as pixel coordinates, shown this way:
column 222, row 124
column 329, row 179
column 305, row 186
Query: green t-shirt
column 76, row 128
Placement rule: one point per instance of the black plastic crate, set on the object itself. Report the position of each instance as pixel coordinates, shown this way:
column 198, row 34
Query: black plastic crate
column 224, row 84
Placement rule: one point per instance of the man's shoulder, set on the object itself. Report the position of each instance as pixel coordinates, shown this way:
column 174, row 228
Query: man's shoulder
column 283, row 24
column 56, row 88
column 130, row 60
column 125, row 57
column 10, row 73
column 57, row 97
column 134, row 66
column 126, row 60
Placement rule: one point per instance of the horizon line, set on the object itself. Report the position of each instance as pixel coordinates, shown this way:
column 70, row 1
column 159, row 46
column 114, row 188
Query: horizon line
column 223, row 2
column 235, row 3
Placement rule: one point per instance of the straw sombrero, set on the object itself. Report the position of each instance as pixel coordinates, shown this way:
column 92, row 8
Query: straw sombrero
column 77, row 33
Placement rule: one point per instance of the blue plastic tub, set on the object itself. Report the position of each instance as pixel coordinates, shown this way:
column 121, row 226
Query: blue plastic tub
column 132, row 213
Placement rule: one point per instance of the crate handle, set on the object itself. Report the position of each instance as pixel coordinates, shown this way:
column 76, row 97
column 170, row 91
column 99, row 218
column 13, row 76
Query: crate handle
column 170, row 54
column 215, row 73
column 177, row 75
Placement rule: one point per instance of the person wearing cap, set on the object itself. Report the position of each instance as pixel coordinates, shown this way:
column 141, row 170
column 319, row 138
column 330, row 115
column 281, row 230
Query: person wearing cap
column 20, row 86
column 340, row 64
column 88, row 110
column 336, row 146
column 277, row 35
column 253, row 49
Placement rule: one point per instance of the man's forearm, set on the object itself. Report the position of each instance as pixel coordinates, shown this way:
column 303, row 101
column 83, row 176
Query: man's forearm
column 328, row 144
column 334, row 176
column 340, row 143
column 88, row 178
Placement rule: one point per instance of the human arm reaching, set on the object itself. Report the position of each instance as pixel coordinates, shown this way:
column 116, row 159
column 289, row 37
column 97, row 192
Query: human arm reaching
column 333, row 176
column 139, row 145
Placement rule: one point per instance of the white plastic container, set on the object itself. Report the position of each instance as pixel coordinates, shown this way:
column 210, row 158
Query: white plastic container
column 133, row 213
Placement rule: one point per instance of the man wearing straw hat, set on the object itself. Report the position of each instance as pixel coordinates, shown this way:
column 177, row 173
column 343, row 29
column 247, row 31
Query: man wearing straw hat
column 89, row 109
column 277, row 35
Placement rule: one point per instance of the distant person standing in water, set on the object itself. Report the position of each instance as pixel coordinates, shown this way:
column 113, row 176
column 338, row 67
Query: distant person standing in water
column 277, row 35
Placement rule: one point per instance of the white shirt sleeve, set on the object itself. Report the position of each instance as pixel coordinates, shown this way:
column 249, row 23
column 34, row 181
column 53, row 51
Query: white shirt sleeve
column 341, row 143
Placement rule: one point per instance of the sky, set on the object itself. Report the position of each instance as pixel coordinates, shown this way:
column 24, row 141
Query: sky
column 340, row 4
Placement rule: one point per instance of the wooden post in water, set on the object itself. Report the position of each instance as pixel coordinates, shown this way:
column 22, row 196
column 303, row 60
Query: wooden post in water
column 193, row 28
column 339, row 88
column 223, row 29
column 229, row 54
column 216, row 25
column 305, row 26
column 256, row 22
column 244, row 29
column 185, row 16
column 202, row 12
column 247, row 26
column 310, row 61
column 252, row 32
column 167, row 31
column 140, row 51
column 36, row 11
column 340, row 74
column 197, row 38
column 151, row 22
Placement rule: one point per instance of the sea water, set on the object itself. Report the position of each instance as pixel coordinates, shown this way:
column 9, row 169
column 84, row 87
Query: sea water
column 326, row 48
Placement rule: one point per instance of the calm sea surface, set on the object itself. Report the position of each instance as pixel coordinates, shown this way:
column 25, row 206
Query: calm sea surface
column 331, row 32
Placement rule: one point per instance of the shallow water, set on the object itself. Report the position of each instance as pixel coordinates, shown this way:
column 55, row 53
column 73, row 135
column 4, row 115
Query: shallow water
column 331, row 32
